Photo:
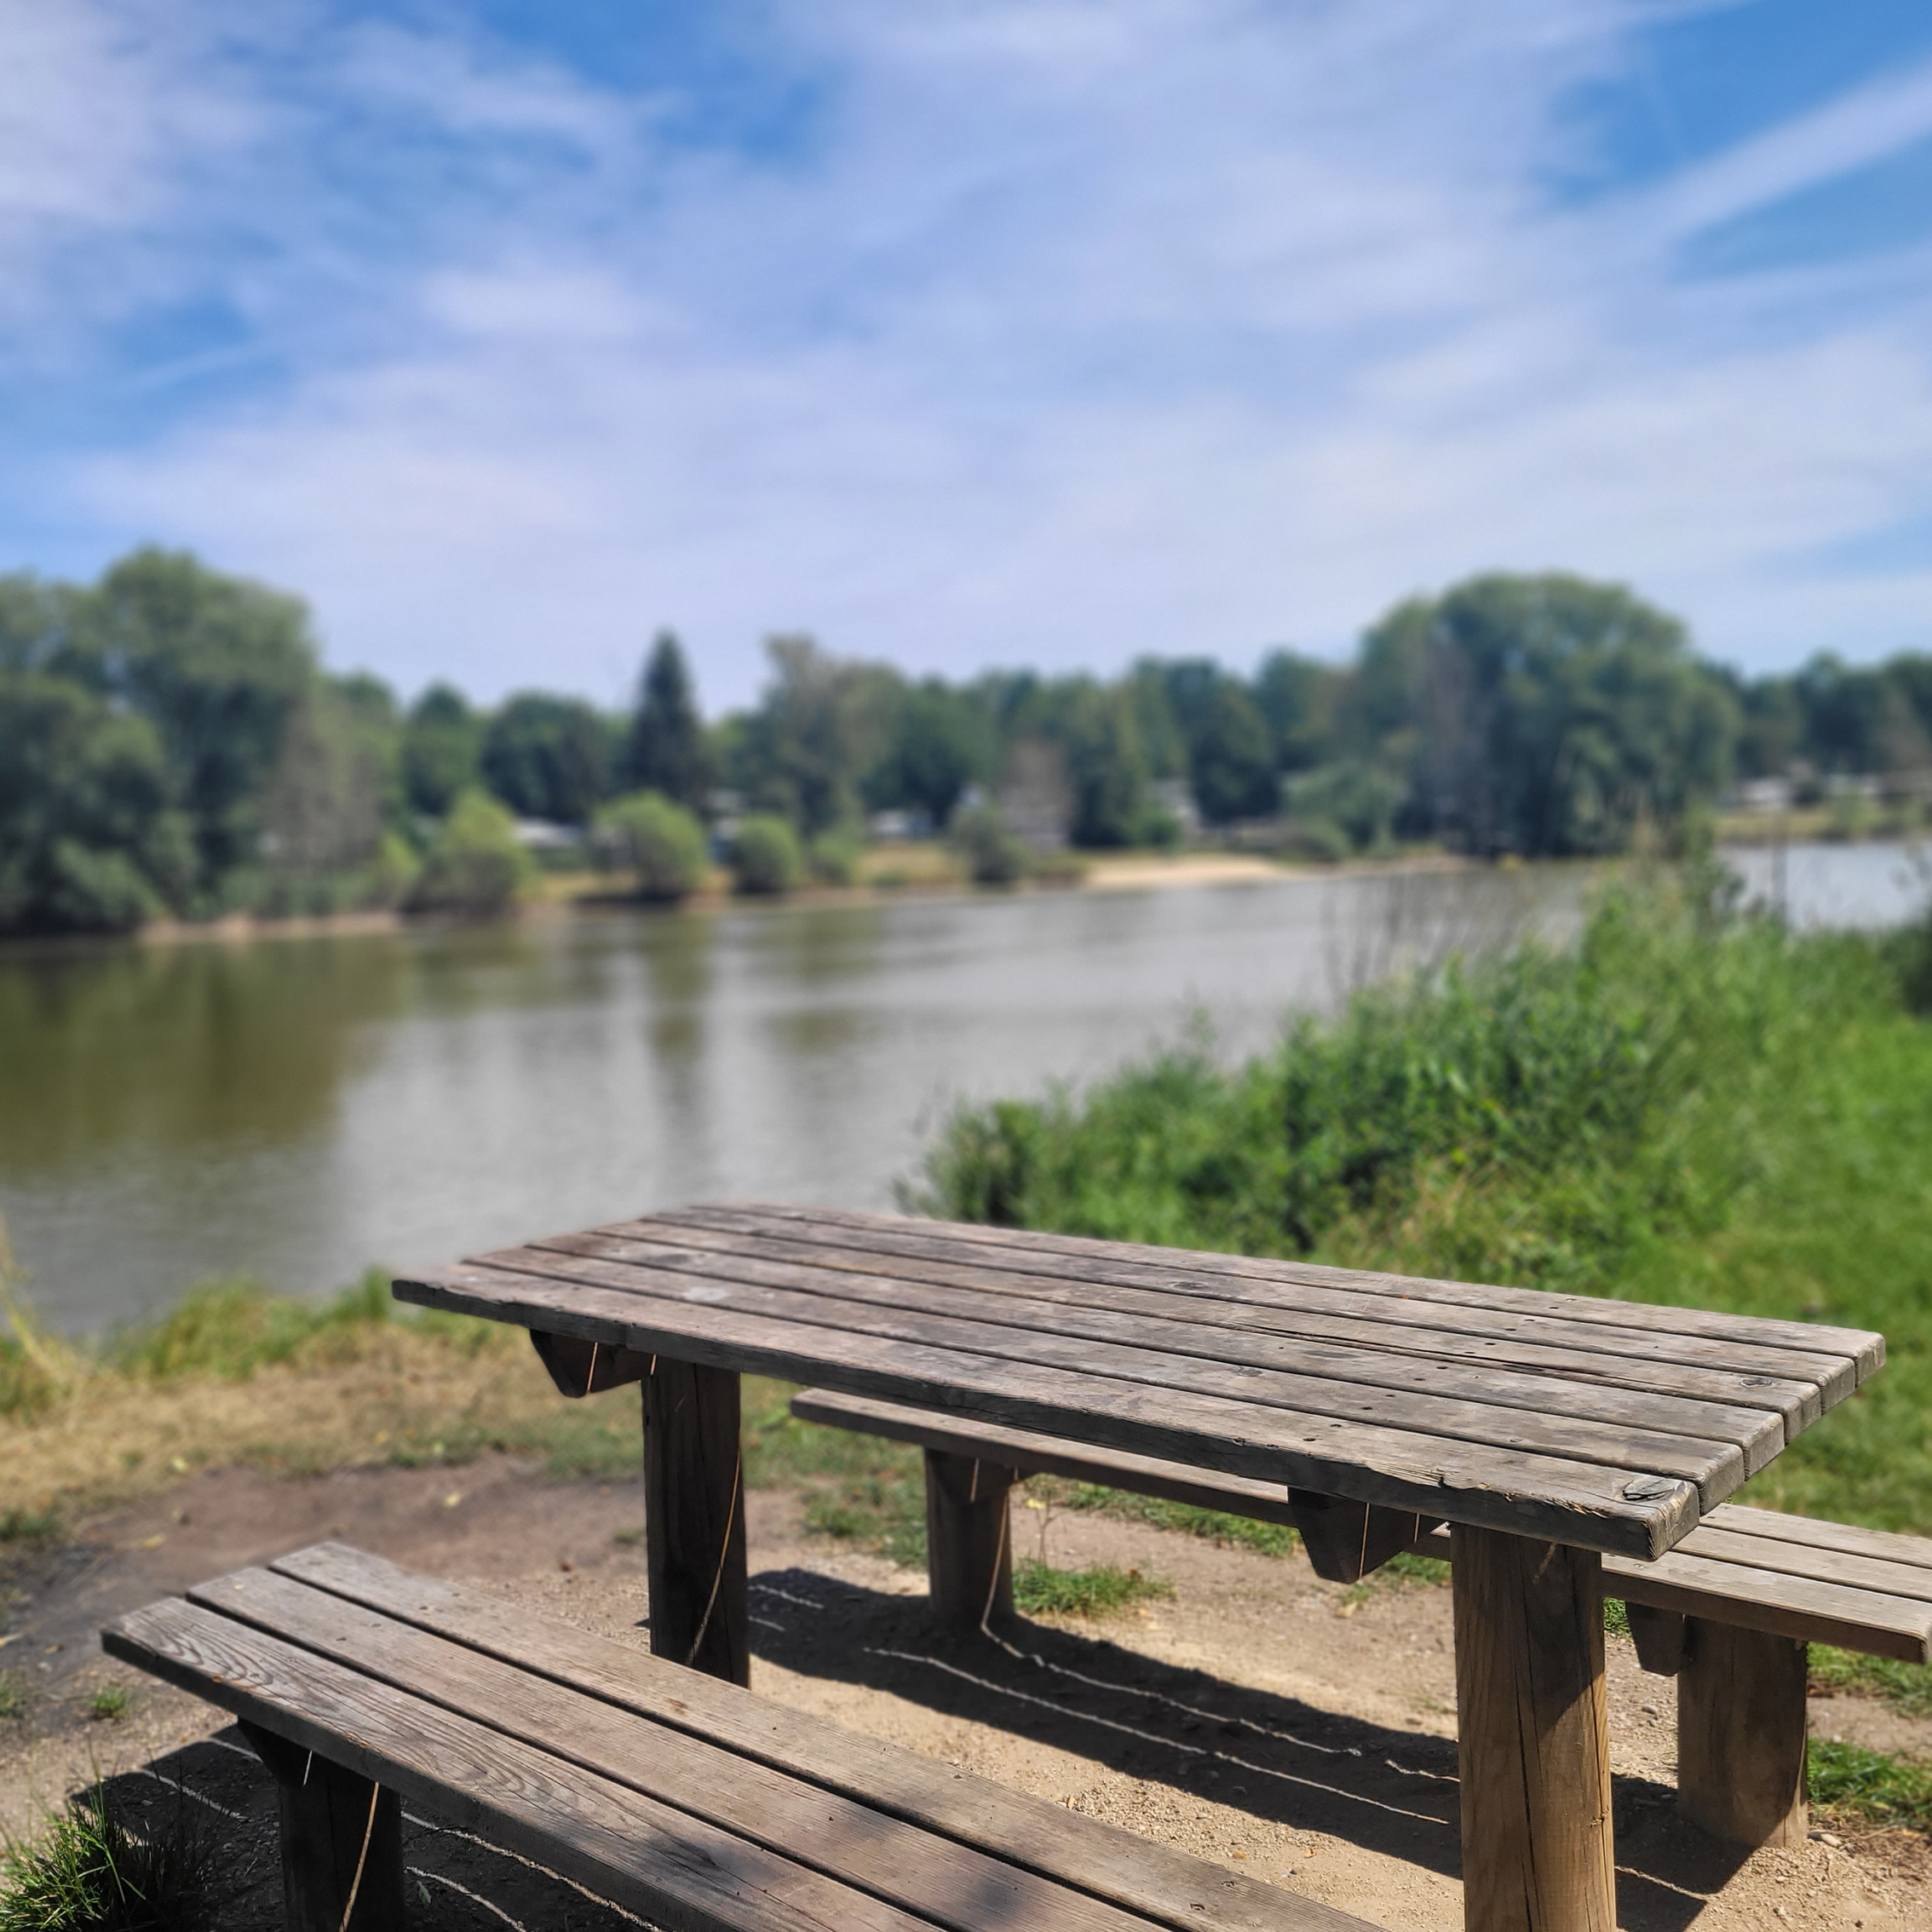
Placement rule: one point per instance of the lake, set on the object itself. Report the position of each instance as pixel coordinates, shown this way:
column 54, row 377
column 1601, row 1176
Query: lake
column 296, row 1109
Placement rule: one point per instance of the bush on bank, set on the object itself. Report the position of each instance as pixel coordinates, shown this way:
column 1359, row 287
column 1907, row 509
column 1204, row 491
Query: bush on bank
column 766, row 859
column 661, row 844
column 1686, row 1105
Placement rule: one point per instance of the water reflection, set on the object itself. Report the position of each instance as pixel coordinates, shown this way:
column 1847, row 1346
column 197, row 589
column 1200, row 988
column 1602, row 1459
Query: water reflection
column 298, row 1108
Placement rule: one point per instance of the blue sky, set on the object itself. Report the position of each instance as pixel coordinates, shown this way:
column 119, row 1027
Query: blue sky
column 971, row 331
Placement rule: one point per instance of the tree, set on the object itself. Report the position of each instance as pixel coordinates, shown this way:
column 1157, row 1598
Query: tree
column 659, row 842
column 765, row 858
column 1104, row 765
column 546, row 758
column 1231, row 758
column 217, row 666
column 336, row 783
column 940, row 741
column 1298, row 697
column 665, row 750
column 475, row 869
column 820, row 726
column 442, row 751
column 89, row 838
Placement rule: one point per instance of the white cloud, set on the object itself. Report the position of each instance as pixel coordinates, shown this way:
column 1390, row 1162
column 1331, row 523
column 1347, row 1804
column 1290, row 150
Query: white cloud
column 1072, row 330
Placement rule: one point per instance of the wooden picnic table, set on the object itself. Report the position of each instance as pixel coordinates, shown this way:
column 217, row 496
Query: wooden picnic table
column 1545, row 1430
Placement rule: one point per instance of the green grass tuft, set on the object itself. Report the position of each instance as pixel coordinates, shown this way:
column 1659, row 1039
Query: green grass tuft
column 110, row 1703
column 1907, row 1687
column 1100, row 1590
column 1271, row 1539
column 13, row 1694
column 1870, row 1787
column 88, row 1872
column 28, row 1526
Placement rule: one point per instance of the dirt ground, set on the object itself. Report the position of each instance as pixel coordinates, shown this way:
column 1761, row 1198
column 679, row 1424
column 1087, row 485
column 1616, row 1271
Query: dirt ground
column 1259, row 1716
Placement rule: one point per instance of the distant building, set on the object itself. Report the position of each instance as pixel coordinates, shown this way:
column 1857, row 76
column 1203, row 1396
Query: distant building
column 1176, row 797
column 895, row 828
column 1034, row 796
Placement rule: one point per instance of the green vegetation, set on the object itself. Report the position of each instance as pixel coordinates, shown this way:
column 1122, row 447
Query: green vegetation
column 475, row 868
column 660, row 844
column 88, row 1872
column 1907, row 1687
column 1869, row 1788
column 13, row 1695
column 764, row 856
column 170, row 745
column 1686, row 1106
column 1098, row 1589
column 110, row 1703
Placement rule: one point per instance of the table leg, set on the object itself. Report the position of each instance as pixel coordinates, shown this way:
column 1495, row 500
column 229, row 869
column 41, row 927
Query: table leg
column 694, row 1519
column 1533, row 1737
column 1741, row 1734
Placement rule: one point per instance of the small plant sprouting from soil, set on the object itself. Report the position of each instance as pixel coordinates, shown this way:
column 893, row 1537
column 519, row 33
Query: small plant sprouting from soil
column 1099, row 1590
column 89, row 1872
column 110, row 1703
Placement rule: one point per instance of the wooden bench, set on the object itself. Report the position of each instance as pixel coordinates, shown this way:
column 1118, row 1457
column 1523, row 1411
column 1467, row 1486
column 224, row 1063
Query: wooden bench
column 1729, row 1613
column 678, row 1796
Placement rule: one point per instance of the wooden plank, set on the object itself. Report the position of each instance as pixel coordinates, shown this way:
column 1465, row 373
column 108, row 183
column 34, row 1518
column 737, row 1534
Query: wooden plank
column 1030, row 1453
column 1528, row 1494
column 1346, row 1541
column 968, row 1540
column 1716, row 1467
column 694, row 1519
column 1660, row 1637
column 341, row 1842
column 683, row 1874
column 1886, row 1546
column 1424, row 1332
column 1532, row 1737
column 1758, row 1434
column 929, row 1876
column 1099, row 1859
column 1866, row 1620
column 1830, row 1375
column 1807, row 1560
column 1741, row 1735
column 1863, row 1349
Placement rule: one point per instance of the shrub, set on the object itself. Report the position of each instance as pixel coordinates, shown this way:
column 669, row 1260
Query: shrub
column 993, row 855
column 90, row 1873
column 765, row 857
column 475, row 869
column 661, row 842
column 833, row 858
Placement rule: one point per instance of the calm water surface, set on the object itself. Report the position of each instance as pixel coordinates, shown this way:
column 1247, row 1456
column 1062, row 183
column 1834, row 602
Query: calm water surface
column 298, row 1108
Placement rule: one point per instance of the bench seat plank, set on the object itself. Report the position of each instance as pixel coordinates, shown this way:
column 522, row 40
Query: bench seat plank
column 1886, row 1546
column 1717, row 1467
column 679, row 1871
column 1425, row 1332
column 1527, row 1494
column 1757, row 1432
column 918, row 1871
column 1861, row 1352
column 1102, row 1860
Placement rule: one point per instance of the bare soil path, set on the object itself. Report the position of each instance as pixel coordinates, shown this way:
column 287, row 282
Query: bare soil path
column 1257, row 1716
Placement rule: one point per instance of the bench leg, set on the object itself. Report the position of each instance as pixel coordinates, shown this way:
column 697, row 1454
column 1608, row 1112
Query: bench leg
column 1741, row 1734
column 694, row 1519
column 969, row 1547
column 342, row 1842
column 1532, row 1736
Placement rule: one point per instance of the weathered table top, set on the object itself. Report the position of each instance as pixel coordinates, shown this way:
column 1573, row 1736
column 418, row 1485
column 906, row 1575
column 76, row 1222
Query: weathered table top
column 1607, row 1425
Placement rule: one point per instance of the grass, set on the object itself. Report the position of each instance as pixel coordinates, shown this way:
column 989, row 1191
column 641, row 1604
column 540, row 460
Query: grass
column 1907, row 1687
column 88, row 1872
column 1869, row 1788
column 1098, row 1589
column 1688, row 1106
column 110, row 1703
column 13, row 1695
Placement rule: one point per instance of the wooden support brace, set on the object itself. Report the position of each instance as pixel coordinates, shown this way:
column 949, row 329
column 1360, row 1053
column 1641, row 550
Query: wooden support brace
column 1660, row 1637
column 1346, row 1541
column 969, row 1546
column 342, row 1842
column 1532, row 1736
column 1741, row 1734
column 694, row 1519
column 588, row 1368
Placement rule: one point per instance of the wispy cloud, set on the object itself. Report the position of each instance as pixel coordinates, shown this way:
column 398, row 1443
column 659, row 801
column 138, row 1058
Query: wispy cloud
column 1073, row 329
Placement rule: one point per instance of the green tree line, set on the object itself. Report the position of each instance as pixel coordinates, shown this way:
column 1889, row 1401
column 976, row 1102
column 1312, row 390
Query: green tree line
column 172, row 745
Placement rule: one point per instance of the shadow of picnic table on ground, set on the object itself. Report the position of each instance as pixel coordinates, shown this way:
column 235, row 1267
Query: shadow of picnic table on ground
column 1274, row 1758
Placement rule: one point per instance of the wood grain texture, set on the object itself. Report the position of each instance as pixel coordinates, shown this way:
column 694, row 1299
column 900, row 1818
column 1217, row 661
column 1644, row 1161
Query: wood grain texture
column 1748, row 1411
column 1530, row 1494
column 1167, row 1885
column 578, row 1368
column 1741, row 1734
column 1716, row 1466
column 968, row 1540
column 694, row 1519
column 1862, row 1350
column 679, row 1872
column 341, row 1840
column 1347, row 1541
column 932, row 1876
column 1532, row 1737
column 1660, row 1637
column 1695, row 1366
